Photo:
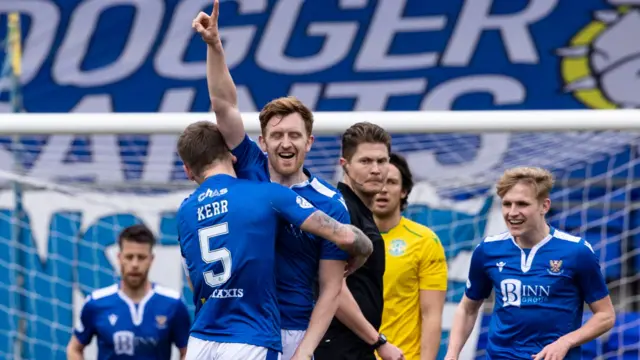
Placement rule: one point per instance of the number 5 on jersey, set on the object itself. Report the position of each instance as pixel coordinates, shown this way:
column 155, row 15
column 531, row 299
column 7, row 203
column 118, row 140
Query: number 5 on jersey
column 212, row 256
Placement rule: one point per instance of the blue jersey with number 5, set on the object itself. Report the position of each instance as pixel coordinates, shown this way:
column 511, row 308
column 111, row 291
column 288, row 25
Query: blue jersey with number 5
column 227, row 230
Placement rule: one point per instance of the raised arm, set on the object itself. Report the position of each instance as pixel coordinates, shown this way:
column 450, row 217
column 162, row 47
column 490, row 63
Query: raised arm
column 222, row 90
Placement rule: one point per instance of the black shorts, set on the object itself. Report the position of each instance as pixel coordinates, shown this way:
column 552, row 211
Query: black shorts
column 343, row 347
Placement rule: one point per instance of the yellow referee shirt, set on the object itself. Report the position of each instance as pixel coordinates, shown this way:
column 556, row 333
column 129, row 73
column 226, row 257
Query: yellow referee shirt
column 415, row 261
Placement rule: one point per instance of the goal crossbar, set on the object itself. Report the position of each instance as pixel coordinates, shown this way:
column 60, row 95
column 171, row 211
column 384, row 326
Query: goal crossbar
column 332, row 122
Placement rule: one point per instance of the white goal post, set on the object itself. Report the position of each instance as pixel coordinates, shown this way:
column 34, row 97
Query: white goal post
column 68, row 247
column 332, row 122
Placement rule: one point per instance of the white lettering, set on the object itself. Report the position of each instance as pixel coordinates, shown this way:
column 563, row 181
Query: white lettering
column 160, row 161
column 45, row 18
column 103, row 151
column 94, row 103
column 212, row 209
column 271, row 56
column 245, row 100
column 387, row 22
column 227, row 293
column 309, row 94
column 475, row 18
column 373, row 95
column 67, row 65
column 503, row 89
column 169, row 61
column 177, row 100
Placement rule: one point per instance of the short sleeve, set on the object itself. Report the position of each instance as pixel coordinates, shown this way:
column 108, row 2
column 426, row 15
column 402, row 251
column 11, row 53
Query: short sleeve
column 181, row 325
column 432, row 267
column 589, row 276
column 251, row 163
column 85, row 328
column 290, row 206
column 478, row 283
column 329, row 250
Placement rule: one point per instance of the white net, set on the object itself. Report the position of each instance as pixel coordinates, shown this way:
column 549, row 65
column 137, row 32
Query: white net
column 78, row 192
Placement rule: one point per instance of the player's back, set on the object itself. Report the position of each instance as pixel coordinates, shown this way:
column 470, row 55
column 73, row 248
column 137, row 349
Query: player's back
column 298, row 254
column 227, row 233
column 540, row 292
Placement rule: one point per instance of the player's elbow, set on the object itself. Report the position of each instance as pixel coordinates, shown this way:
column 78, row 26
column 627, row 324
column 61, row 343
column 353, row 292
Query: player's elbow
column 74, row 349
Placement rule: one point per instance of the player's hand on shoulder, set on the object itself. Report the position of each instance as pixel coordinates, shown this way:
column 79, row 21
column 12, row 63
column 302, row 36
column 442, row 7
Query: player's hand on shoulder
column 207, row 25
column 388, row 351
column 557, row 350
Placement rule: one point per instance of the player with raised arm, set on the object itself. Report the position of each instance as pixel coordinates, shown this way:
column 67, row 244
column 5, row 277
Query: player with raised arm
column 286, row 137
column 227, row 229
column 541, row 277
column 133, row 319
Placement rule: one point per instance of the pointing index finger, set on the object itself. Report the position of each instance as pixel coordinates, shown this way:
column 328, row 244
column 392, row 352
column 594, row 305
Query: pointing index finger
column 216, row 11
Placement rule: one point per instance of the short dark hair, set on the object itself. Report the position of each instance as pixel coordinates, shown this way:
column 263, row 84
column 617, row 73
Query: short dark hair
column 286, row 106
column 137, row 233
column 406, row 177
column 361, row 133
column 200, row 145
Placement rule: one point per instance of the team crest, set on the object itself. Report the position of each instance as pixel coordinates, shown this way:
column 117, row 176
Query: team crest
column 397, row 247
column 555, row 267
column 161, row 321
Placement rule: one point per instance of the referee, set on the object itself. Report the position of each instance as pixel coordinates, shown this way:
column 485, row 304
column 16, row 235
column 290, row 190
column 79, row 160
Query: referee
column 353, row 333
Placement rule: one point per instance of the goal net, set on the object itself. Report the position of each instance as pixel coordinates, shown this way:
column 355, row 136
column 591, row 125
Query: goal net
column 64, row 198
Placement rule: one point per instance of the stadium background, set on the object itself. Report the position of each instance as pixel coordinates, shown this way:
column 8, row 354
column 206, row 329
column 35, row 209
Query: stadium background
column 349, row 55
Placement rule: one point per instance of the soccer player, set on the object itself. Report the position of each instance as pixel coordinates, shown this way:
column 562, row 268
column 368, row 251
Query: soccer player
column 133, row 319
column 415, row 277
column 227, row 229
column 286, row 137
column 354, row 332
column 541, row 276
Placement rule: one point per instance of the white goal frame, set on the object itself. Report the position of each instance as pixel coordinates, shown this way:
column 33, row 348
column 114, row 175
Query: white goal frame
column 331, row 122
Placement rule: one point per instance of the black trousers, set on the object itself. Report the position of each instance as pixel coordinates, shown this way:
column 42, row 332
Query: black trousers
column 343, row 346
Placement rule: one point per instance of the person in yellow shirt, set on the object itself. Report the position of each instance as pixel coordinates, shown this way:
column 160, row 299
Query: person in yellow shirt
column 415, row 279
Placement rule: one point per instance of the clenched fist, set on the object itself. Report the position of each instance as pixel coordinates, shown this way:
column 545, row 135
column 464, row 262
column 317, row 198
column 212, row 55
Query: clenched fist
column 207, row 26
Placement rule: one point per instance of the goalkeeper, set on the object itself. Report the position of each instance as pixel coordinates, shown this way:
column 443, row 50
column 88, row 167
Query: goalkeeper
column 542, row 277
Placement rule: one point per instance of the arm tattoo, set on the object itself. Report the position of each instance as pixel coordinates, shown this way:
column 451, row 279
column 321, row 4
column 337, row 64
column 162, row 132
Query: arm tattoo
column 331, row 228
column 362, row 245
column 326, row 224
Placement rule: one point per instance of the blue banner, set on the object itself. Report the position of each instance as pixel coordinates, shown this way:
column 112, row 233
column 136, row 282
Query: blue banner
column 133, row 55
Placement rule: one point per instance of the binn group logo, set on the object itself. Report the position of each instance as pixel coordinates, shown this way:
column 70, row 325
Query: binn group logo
column 601, row 62
column 515, row 293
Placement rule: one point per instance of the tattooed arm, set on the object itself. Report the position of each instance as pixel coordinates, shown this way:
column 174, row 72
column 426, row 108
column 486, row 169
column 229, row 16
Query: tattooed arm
column 347, row 237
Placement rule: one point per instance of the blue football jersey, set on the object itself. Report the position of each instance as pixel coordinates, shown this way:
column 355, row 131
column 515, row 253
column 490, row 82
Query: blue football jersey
column 227, row 229
column 297, row 252
column 540, row 292
column 126, row 330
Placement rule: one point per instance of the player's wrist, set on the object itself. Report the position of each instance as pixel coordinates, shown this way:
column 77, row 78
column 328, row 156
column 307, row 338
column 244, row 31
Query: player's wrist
column 381, row 340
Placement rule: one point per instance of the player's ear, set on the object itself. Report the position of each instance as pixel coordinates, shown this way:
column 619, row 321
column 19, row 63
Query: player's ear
column 342, row 161
column 187, row 172
column 310, row 141
column 234, row 159
column 546, row 206
column 262, row 143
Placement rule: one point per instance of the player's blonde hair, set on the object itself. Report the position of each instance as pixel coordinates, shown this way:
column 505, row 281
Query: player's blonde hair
column 541, row 180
